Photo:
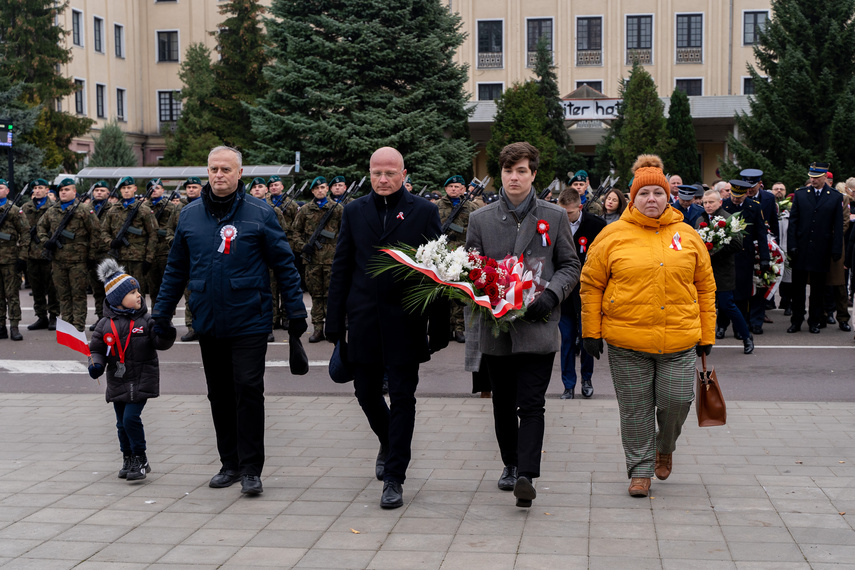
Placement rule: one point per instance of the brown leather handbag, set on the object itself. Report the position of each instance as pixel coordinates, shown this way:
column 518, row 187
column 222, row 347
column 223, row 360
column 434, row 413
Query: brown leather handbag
column 709, row 401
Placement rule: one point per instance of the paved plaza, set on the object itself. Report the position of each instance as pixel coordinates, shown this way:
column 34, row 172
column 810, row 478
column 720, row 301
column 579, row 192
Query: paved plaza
column 774, row 489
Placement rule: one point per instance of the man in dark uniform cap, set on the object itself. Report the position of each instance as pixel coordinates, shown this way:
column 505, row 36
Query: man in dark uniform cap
column 738, row 203
column 769, row 209
column 814, row 239
column 686, row 202
column 338, row 186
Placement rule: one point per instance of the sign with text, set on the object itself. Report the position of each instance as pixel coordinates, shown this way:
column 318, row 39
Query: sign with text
column 590, row 109
column 6, row 134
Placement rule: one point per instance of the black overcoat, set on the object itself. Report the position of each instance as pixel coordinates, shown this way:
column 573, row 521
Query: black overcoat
column 815, row 231
column 744, row 260
column 589, row 229
column 723, row 264
column 769, row 208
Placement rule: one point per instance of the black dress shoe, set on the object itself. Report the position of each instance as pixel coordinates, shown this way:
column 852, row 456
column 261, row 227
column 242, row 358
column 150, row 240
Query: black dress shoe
column 814, row 329
column 459, row 337
column 788, row 312
column 393, row 495
column 524, row 492
column 587, row 389
column 748, row 345
column 822, row 325
column 831, row 320
column 251, row 485
column 567, row 394
column 225, row 478
column 271, row 338
column 719, row 332
column 508, row 478
column 845, row 327
column 794, row 328
column 757, row 329
column 380, row 464
column 41, row 323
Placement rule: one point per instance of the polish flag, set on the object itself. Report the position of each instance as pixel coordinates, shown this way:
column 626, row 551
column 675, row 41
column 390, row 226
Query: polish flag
column 69, row 336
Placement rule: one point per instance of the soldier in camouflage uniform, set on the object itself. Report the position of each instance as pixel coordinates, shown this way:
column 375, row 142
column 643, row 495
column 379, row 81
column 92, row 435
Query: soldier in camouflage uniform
column 14, row 236
column 45, row 302
column 320, row 263
column 338, row 186
column 286, row 209
column 137, row 257
column 193, row 190
column 163, row 211
column 455, row 187
column 100, row 192
column 580, row 184
column 82, row 244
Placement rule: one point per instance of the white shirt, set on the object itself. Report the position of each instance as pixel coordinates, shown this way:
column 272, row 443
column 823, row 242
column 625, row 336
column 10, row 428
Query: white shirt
column 575, row 225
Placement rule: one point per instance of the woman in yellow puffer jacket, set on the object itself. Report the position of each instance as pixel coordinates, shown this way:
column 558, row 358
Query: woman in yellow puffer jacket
column 648, row 290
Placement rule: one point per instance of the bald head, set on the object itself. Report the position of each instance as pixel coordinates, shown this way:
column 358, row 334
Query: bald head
column 387, row 171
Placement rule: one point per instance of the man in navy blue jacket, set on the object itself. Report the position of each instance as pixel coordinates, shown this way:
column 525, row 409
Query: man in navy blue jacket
column 224, row 247
column 383, row 337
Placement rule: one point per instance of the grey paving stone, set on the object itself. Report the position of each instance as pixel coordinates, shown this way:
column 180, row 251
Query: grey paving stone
column 406, row 560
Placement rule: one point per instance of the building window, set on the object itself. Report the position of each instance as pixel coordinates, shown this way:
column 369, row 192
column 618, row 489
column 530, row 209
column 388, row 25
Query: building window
column 489, row 91
column 80, row 97
column 589, row 41
column 490, row 44
column 691, row 87
column 754, row 24
column 690, row 38
column 639, row 39
column 167, row 46
column 120, row 104
column 100, row 107
column 537, row 28
column 77, row 27
column 748, row 86
column 169, row 108
column 119, row 40
column 597, row 85
column 98, row 31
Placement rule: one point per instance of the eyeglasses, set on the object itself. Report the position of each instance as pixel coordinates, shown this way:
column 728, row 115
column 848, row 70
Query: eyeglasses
column 381, row 174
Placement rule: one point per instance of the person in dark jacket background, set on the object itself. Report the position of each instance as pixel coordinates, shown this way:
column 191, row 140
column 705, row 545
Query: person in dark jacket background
column 125, row 342
column 223, row 248
column 384, row 338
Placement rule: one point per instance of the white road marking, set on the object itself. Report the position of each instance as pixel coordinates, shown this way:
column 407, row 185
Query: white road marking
column 44, row 366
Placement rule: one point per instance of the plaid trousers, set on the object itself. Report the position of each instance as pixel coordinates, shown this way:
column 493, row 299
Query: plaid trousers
column 652, row 389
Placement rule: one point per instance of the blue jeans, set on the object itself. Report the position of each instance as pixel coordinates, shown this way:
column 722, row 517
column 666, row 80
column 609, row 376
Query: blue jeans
column 729, row 312
column 130, row 427
column 570, row 326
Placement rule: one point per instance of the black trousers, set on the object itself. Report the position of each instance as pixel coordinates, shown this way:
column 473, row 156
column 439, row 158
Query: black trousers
column 816, row 311
column 234, row 371
column 392, row 426
column 519, row 384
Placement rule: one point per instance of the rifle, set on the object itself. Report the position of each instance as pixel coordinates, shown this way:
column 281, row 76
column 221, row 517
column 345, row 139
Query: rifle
column 552, row 186
column 477, row 188
column 422, row 193
column 107, row 200
column 320, row 231
column 61, row 231
column 12, row 205
column 291, row 199
column 126, row 227
column 165, row 201
column 605, row 185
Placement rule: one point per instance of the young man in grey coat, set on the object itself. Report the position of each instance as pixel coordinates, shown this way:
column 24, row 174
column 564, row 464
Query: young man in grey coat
column 519, row 362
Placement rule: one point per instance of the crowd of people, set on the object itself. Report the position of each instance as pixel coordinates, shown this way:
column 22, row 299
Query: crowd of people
column 629, row 270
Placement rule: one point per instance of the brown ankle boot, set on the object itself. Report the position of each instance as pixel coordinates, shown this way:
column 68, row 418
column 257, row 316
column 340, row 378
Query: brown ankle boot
column 317, row 336
column 639, row 486
column 663, row 466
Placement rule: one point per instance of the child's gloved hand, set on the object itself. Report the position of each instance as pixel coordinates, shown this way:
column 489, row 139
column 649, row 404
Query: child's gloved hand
column 96, row 370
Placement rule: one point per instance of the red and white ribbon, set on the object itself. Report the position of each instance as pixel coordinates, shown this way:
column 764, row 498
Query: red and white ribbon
column 228, row 233
column 543, row 230
column 676, row 242
column 583, row 241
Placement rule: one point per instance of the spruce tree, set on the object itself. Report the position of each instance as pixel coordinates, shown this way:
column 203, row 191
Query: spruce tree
column 683, row 159
column 31, row 54
column 238, row 73
column 192, row 139
column 112, row 148
column 802, row 109
column 350, row 77
column 521, row 116
column 642, row 124
column 566, row 159
column 28, row 158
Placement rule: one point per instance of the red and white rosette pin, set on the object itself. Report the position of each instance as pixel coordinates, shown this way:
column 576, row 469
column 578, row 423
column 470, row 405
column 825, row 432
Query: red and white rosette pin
column 228, row 233
column 543, row 230
column 676, row 242
column 583, row 242
column 110, row 341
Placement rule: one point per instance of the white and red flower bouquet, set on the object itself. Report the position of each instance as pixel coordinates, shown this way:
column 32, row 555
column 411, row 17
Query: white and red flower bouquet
column 499, row 289
column 720, row 231
column 771, row 278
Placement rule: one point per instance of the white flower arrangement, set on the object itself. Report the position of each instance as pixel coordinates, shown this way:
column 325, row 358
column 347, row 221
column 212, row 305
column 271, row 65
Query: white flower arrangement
column 449, row 264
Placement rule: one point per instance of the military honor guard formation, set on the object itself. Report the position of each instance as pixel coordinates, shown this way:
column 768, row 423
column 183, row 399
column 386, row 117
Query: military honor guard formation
column 656, row 271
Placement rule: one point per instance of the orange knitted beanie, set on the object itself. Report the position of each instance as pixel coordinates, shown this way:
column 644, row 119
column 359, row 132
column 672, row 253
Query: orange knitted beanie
column 648, row 172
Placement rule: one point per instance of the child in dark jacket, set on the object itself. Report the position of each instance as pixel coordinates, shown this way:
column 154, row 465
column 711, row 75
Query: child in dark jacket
column 125, row 343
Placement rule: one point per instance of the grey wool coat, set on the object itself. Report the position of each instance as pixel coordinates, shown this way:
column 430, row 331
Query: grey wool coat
column 494, row 232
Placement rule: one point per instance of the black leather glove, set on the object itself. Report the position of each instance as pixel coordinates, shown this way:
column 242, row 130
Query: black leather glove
column 146, row 267
column 21, row 265
column 163, row 327
column 593, row 346
column 542, row 306
column 116, row 244
column 50, row 245
column 296, row 327
column 702, row 349
column 96, row 370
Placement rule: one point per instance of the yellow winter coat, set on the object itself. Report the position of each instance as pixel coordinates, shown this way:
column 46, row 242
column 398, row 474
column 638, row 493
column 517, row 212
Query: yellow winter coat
column 641, row 293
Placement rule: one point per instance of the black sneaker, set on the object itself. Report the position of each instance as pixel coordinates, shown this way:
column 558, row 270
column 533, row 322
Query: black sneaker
column 126, row 465
column 251, row 485
column 138, row 468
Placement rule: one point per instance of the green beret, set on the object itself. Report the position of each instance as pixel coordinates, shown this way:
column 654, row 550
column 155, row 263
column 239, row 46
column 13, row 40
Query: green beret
column 65, row 182
column 456, row 178
column 193, row 180
column 580, row 176
column 258, row 180
column 316, row 181
column 3, row 182
column 40, row 182
column 274, row 178
column 100, row 184
column 153, row 182
column 126, row 181
column 337, row 179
